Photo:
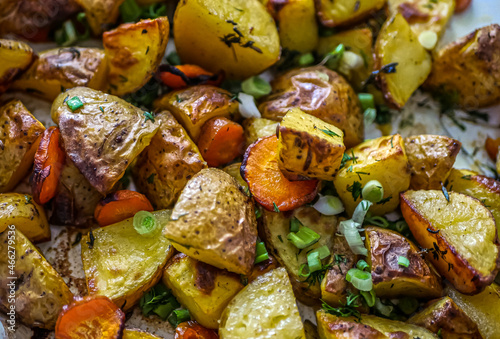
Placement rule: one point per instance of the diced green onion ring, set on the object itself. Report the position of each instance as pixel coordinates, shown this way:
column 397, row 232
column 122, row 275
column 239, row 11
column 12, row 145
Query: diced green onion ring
column 179, row 316
column 314, row 262
column 362, row 265
column 360, row 279
column 369, row 297
column 403, row 261
column 145, row 223
column 261, row 253
column 373, row 191
column 305, row 237
column 366, row 100
column 74, row 103
column 295, row 224
column 256, row 87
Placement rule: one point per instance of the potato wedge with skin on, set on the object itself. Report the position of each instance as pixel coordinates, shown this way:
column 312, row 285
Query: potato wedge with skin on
column 237, row 37
column 396, row 43
column 58, row 69
column 431, row 158
column 100, row 13
column 40, row 292
column 391, row 280
column 383, row 159
column 460, row 234
column 193, row 106
column 203, row 289
column 20, row 134
column 134, row 52
column 256, row 128
column 445, row 317
column 234, row 171
column 16, row 56
column 265, row 308
column 165, row 166
column 320, row 92
column 132, row 333
column 102, row 137
column 345, row 12
column 214, row 222
column 122, row 264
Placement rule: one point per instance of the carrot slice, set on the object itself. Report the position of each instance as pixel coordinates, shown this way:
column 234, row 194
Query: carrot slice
column 491, row 146
column 221, row 141
column 462, row 5
column 181, row 76
column 90, row 317
column 192, row 330
column 48, row 164
column 268, row 185
column 119, row 206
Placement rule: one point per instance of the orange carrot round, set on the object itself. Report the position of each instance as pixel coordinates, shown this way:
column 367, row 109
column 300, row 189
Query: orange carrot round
column 119, row 206
column 192, row 330
column 268, row 185
column 462, row 5
column 48, row 164
column 221, row 141
column 491, row 146
column 193, row 73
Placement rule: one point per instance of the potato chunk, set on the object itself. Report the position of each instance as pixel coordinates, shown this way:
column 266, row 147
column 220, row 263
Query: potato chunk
column 20, row 134
column 134, row 52
column 166, row 165
column 203, row 289
column 345, row 12
column 121, row 264
column 265, row 308
column 431, row 158
column 16, row 56
column 460, row 234
column 214, row 222
column 308, row 146
column 103, row 136
column 100, row 13
column 137, row 334
column 383, row 159
column 396, row 43
column 40, row 292
column 256, row 128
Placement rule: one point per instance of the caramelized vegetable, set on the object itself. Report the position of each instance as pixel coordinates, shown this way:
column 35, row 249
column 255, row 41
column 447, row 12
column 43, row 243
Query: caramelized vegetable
column 491, row 146
column 461, row 5
column 119, row 206
column 192, row 330
column 181, row 76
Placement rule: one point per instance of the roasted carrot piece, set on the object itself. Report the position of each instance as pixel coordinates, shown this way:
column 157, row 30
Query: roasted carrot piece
column 192, row 330
column 491, row 146
column 90, row 317
column 221, row 141
column 182, row 76
column 268, row 185
column 119, row 206
column 47, row 167
column 462, row 5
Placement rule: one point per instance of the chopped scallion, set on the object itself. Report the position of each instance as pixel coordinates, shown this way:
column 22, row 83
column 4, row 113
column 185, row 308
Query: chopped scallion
column 314, row 262
column 261, row 253
column 334, row 57
column 179, row 316
column 74, row 103
column 373, row 191
column 369, row 297
column 145, row 223
column 361, row 280
column 295, row 224
column 256, row 87
column 403, row 261
column 362, row 265
column 323, row 252
column 306, row 59
column 366, row 100
column 305, row 237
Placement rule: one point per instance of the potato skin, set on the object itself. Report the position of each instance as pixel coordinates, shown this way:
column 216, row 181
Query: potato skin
column 346, row 12
column 137, row 334
column 58, row 69
column 204, row 35
column 214, row 222
column 256, row 128
column 16, row 56
column 469, row 67
column 165, row 166
column 40, row 291
column 20, row 134
column 320, row 92
column 203, row 289
column 431, row 158
column 100, row 13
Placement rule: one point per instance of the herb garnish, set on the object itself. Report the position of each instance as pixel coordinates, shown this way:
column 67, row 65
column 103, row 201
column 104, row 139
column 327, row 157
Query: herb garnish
column 445, row 192
column 275, row 207
column 92, row 239
column 383, row 201
column 355, row 189
column 149, row 116
column 347, row 310
column 329, row 132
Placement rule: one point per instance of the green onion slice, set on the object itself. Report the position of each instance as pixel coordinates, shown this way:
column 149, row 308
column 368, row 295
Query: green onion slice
column 351, row 233
column 314, row 262
column 403, row 261
column 302, row 270
column 306, row 59
column 360, row 211
column 145, row 223
column 323, row 252
column 305, row 237
column 361, row 280
column 369, row 297
column 385, row 310
column 362, row 265
column 179, row 316
column 366, row 100
column 334, row 57
column 74, row 103
column 369, row 116
column 295, row 224
column 373, row 191
column 408, row 305
column 256, row 87
column 261, row 253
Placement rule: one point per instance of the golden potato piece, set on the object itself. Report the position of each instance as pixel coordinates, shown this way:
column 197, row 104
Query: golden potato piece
column 310, row 330
column 121, row 264
column 383, row 159
column 166, row 165
column 40, row 292
column 16, row 56
column 320, row 92
column 391, row 280
column 265, row 308
column 397, row 44
column 100, row 13
column 460, row 234
column 203, row 289
column 256, row 128
column 345, row 12
column 469, row 68
column 58, row 69
column 193, row 106
column 234, row 171
column 431, row 158
column 103, row 136
column 134, row 52
column 445, row 317
column 20, row 134
column 137, row 334
column 214, row 222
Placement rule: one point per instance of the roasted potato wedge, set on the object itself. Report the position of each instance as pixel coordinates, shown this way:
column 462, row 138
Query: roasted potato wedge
column 310, row 330
column 103, row 136
column 320, row 92
column 137, row 334
column 214, row 222
column 309, row 147
column 445, row 317
column 469, row 68
column 265, row 308
column 345, row 12
column 256, row 128
column 203, row 289
column 397, row 45
column 20, row 134
column 383, row 159
column 134, row 52
column 166, row 165
column 58, row 69
column 193, row 106
column 237, row 37
column 391, row 280
column 275, row 229
column 100, row 13
column 16, row 56
column 460, row 234
column 431, row 158
column 39, row 292
column 234, row 170
column 121, row 264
